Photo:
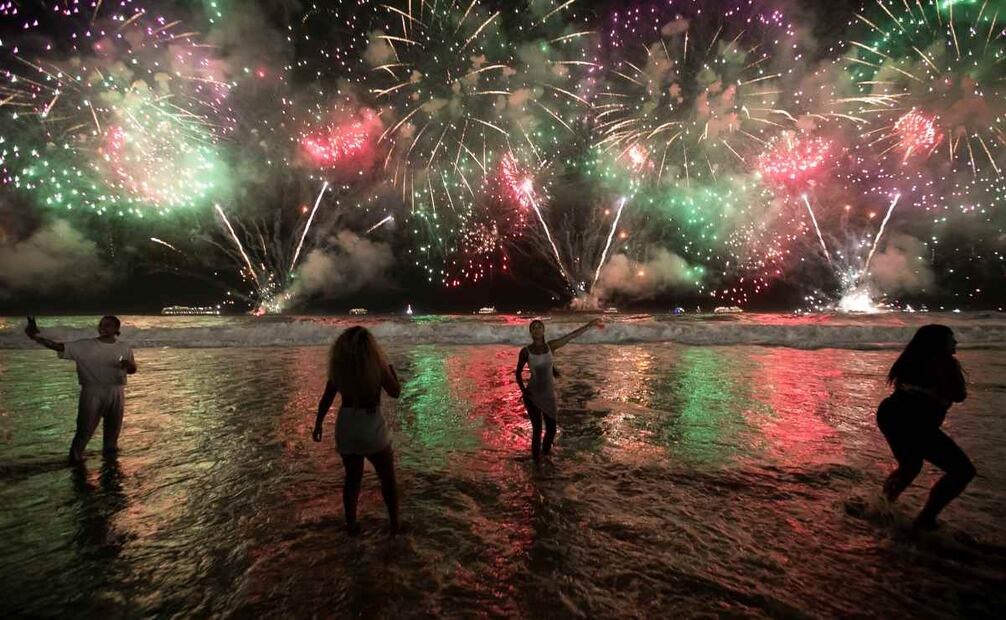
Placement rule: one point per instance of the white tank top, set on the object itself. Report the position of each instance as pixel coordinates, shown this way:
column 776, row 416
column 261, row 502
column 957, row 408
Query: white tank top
column 541, row 388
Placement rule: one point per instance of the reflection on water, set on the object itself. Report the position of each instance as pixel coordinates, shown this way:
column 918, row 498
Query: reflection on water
column 685, row 480
column 713, row 406
column 99, row 502
column 797, row 427
column 438, row 409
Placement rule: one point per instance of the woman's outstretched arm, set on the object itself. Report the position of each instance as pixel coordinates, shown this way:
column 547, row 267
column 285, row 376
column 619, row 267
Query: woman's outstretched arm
column 390, row 382
column 561, row 342
column 331, row 389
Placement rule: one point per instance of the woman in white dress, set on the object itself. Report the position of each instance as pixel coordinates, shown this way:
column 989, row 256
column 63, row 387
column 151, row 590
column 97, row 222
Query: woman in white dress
column 359, row 370
column 539, row 393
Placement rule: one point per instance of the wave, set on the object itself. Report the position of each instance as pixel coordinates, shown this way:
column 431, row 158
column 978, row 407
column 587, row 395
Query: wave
column 982, row 331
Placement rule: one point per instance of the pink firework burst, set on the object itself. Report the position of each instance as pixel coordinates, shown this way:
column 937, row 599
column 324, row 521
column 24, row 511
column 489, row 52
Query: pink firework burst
column 917, row 133
column 794, row 160
column 330, row 148
column 344, row 142
column 516, row 184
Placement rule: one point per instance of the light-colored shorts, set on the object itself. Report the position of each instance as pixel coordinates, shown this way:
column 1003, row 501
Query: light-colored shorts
column 361, row 431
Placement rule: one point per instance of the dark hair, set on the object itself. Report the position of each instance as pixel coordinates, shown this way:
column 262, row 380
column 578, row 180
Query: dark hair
column 114, row 319
column 538, row 321
column 356, row 363
column 927, row 348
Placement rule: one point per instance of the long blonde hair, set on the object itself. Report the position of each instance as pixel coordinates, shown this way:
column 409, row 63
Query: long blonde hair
column 356, row 363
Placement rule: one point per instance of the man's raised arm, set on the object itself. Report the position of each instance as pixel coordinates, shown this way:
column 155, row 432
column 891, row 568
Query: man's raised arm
column 35, row 334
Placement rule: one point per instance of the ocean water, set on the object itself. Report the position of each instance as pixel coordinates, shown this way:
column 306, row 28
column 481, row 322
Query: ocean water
column 887, row 330
column 729, row 479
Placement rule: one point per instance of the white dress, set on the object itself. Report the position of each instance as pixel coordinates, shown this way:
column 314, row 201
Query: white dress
column 541, row 388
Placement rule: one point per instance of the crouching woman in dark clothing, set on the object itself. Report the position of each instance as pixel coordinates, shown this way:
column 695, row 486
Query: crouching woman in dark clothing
column 927, row 380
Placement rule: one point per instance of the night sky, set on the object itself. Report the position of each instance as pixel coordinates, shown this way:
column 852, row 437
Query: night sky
column 276, row 67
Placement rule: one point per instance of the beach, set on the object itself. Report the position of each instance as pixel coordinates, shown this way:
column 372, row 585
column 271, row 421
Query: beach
column 687, row 480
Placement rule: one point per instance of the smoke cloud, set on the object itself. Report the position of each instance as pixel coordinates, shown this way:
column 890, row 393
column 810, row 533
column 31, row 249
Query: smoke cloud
column 902, row 267
column 641, row 280
column 56, row 258
column 351, row 263
column 379, row 51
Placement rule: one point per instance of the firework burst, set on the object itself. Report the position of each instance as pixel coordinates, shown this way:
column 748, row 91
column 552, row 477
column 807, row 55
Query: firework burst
column 693, row 85
column 121, row 114
column 444, row 71
column 345, row 143
column 931, row 68
column 494, row 224
column 917, row 134
column 462, row 103
column 794, row 161
column 737, row 233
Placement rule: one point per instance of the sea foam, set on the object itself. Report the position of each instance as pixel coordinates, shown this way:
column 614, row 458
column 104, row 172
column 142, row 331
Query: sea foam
column 986, row 330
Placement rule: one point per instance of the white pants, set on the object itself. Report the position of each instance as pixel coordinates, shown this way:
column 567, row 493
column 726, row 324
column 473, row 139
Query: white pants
column 98, row 403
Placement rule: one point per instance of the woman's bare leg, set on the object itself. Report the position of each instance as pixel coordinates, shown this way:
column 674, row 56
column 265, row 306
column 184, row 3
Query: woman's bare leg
column 351, row 489
column 384, row 464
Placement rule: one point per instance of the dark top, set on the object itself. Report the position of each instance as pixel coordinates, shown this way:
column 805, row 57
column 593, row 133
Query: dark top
column 942, row 381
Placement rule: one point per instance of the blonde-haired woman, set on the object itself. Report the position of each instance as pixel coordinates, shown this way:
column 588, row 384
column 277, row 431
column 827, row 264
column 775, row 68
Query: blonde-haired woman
column 359, row 370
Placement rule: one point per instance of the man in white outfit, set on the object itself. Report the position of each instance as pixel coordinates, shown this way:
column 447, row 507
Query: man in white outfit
column 102, row 366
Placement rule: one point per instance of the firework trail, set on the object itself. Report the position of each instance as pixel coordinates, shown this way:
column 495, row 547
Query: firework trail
column 237, row 243
column 307, row 227
column 607, row 245
column 551, row 241
column 880, row 233
column 387, row 219
column 166, row 244
column 817, row 229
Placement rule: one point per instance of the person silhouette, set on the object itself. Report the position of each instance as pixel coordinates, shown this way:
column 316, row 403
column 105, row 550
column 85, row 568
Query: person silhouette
column 539, row 393
column 927, row 380
column 102, row 366
column 359, row 370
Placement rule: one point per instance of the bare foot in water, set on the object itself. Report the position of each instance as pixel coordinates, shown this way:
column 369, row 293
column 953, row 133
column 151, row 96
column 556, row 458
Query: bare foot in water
column 925, row 523
column 396, row 529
